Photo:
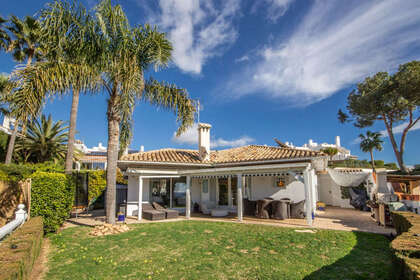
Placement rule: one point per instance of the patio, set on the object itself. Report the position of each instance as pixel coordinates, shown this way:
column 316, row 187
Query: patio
column 334, row 218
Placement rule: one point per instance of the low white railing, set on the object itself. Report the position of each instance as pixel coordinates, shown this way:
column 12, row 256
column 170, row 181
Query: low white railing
column 20, row 218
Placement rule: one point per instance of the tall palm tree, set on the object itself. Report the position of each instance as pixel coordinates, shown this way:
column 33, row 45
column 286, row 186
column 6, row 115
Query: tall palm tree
column 24, row 45
column 371, row 141
column 127, row 52
column 71, row 58
column 45, row 140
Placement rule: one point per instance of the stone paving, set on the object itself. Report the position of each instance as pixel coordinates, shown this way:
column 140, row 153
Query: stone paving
column 332, row 218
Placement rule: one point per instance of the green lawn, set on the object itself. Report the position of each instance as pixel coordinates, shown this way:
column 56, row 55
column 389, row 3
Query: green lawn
column 210, row 250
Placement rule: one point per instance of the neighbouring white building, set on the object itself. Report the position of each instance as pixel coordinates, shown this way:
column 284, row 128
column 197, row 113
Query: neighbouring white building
column 95, row 157
column 181, row 178
column 8, row 124
column 342, row 154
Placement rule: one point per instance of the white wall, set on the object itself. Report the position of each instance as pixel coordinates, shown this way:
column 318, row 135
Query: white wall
column 264, row 186
column 133, row 189
column 195, row 190
column 330, row 193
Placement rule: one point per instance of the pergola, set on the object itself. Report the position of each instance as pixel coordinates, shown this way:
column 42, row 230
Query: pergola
column 302, row 171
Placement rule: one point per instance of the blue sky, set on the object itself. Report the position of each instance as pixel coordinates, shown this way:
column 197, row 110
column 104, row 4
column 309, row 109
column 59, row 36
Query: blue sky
column 261, row 69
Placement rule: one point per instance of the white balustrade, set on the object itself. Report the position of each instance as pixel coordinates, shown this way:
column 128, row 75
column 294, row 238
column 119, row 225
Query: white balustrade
column 20, row 218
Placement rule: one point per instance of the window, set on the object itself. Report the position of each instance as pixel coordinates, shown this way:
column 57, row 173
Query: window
column 205, row 185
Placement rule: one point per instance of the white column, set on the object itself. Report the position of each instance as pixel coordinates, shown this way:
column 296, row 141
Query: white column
column 217, row 191
column 314, row 190
column 308, row 196
column 230, row 192
column 140, row 201
column 188, row 198
column 170, row 192
column 239, row 198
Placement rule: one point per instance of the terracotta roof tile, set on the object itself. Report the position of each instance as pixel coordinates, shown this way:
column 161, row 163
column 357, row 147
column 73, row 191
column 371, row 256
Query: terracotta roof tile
column 234, row 155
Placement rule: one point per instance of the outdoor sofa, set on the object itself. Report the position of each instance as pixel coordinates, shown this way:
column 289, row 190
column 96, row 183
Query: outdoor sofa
column 170, row 214
column 151, row 213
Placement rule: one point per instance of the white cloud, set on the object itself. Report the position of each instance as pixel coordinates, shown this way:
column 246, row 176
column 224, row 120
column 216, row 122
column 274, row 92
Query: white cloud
column 274, row 8
column 397, row 130
column 335, row 46
column 190, row 137
column 242, row 59
column 198, row 30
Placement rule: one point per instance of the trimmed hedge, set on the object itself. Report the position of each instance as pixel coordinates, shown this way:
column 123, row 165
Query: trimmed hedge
column 406, row 246
column 17, row 263
column 97, row 184
column 52, row 198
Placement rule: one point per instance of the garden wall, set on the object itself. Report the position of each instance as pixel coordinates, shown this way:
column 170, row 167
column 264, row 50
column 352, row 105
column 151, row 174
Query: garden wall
column 11, row 194
column 19, row 251
column 406, row 246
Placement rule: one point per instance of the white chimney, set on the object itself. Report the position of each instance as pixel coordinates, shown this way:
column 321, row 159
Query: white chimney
column 311, row 143
column 337, row 141
column 141, row 148
column 204, row 141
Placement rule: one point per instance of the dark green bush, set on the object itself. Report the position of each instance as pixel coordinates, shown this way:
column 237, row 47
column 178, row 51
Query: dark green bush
column 17, row 263
column 52, row 198
column 406, row 246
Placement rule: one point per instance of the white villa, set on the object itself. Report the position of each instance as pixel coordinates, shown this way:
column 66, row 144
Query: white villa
column 184, row 179
column 342, row 153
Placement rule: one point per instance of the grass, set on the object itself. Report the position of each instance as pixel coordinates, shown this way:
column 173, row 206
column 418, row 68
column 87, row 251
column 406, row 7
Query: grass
column 210, row 250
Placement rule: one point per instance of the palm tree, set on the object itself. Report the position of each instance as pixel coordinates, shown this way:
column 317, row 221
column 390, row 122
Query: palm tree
column 45, row 140
column 127, row 53
column 4, row 37
column 71, row 58
column 371, row 141
column 24, row 45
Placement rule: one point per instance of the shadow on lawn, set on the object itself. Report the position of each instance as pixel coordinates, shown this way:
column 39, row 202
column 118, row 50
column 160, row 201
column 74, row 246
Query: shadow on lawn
column 360, row 264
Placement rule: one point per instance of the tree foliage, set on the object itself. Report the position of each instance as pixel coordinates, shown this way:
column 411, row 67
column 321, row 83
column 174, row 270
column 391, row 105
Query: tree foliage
column 392, row 99
column 44, row 140
column 369, row 142
column 330, row 151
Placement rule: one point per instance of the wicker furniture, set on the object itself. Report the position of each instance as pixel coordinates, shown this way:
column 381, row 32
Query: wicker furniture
column 170, row 214
column 297, row 210
column 264, row 208
column 150, row 213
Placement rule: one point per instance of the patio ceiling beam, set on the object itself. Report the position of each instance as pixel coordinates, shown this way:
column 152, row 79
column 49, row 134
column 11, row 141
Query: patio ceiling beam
column 160, row 176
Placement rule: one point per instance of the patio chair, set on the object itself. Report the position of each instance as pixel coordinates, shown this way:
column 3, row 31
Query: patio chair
column 250, row 207
column 280, row 211
column 263, row 208
column 170, row 214
column 151, row 213
column 297, row 210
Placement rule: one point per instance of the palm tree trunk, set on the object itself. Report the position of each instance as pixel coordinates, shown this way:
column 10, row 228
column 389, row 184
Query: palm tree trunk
column 11, row 145
column 372, row 160
column 72, row 131
column 112, row 157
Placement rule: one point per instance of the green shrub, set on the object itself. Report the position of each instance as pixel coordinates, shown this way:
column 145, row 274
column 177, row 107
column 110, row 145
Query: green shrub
column 406, row 246
column 16, row 172
column 52, row 198
column 97, row 184
column 17, row 263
